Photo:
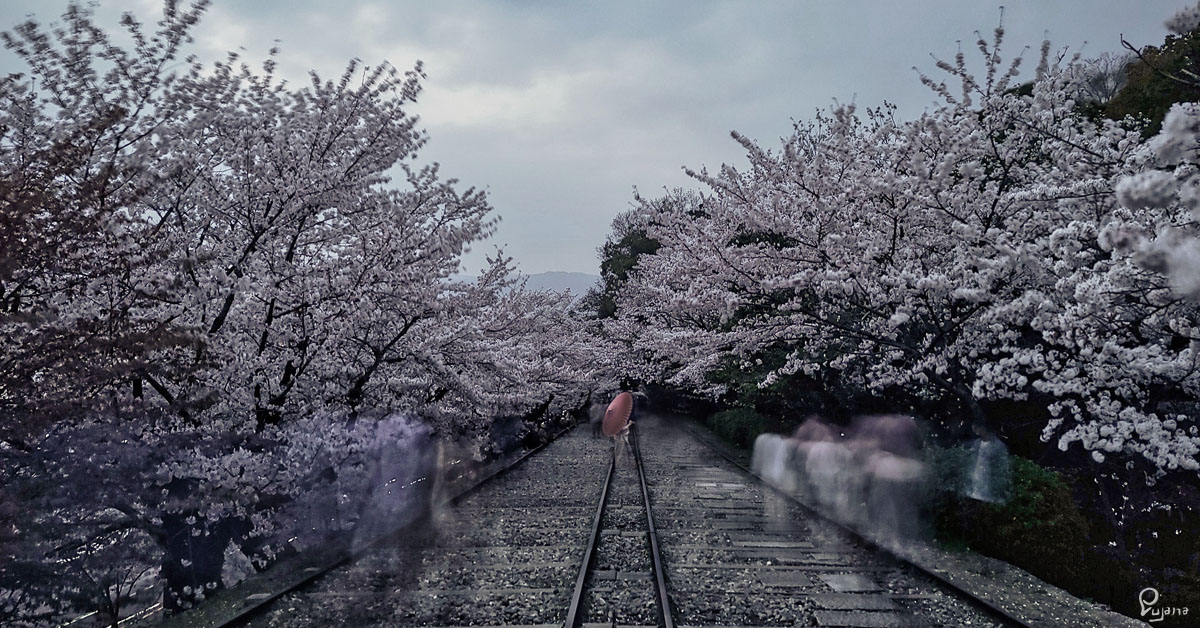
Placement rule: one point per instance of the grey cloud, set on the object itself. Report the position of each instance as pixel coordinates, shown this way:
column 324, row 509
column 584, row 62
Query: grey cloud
column 560, row 108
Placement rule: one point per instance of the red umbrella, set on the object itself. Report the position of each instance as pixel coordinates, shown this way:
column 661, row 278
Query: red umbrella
column 617, row 415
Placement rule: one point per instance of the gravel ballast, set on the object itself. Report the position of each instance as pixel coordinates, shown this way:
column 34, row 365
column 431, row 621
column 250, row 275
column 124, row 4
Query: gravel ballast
column 508, row 553
column 736, row 553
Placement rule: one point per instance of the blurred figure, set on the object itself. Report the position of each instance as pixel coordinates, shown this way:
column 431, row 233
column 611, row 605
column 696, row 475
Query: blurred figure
column 989, row 470
column 596, row 419
column 814, row 429
column 829, row 470
column 892, row 475
column 771, row 459
column 894, row 489
column 402, row 463
column 761, row 452
column 621, row 445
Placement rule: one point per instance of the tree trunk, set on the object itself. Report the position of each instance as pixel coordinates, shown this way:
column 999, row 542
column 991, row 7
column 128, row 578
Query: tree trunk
column 194, row 553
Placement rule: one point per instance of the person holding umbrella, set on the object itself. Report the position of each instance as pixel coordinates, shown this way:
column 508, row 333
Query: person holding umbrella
column 617, row 421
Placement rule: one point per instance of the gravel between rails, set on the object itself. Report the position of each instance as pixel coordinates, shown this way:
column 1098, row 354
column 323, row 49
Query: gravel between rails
column 620, row 553
column 619, row 586
column 624, row 518
column 631, row 603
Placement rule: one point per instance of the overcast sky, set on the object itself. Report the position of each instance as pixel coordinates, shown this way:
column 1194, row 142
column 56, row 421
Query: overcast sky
column 559, row 109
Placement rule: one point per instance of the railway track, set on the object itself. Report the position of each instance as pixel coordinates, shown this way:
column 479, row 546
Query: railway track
column 621, row 578
column 667, row 533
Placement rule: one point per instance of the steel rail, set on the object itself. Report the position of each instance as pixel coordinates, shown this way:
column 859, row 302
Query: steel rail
column 573, row 611
column 664, row 600
column 994, row 608
column 251, row 608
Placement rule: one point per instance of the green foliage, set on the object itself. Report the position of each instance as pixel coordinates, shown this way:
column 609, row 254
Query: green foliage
column 1024, row 89
column 787, row 397
column 1040, row 529
column 741, row 378
column 1163, row 77
column 621, row 257
column 738, row 425
column 618, row 260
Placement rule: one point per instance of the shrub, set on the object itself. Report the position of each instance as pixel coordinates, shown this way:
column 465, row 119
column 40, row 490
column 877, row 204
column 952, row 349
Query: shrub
column 738, row 425
column 1040, row 529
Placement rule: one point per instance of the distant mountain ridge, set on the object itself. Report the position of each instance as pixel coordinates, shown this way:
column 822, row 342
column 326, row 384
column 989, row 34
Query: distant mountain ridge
column 556, row 281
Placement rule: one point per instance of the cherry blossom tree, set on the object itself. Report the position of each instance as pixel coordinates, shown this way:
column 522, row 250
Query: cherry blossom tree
column 220, row 290
column 72, row 249
column 972, row 255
